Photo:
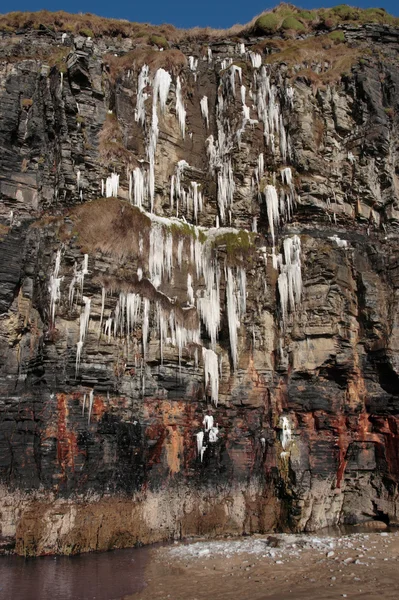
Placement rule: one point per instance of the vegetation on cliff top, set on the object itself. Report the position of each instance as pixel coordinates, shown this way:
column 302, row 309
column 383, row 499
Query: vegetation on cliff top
column 284, row 19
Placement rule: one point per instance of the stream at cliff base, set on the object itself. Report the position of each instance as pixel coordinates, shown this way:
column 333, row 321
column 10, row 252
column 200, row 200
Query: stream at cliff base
column 98, row 576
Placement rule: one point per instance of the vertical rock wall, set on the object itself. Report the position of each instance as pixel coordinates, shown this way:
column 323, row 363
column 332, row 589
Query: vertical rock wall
column 198, row 328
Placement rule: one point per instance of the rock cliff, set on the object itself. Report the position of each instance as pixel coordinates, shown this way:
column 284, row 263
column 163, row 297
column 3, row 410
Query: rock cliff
column 199, row 270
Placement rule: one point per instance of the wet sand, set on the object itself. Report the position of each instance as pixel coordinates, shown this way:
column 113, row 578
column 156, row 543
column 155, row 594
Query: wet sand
column 364, row 566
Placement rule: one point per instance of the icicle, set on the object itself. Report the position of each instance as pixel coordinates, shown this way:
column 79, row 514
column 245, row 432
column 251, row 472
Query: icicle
column 200, row 441
column 256, row 60
column 286, row 435
column 54, row 286
column 84, row 324
column 139, row 187
column 272, row 207
column 209, row 54
column 91, row 397
column 233, row 70
column 78, row 179
column 241, row 48
column 290, row 279
column 161, row 86
column 103, row 294
column 207, row 422
column 190, row 290
column 180, row 110
column 84, row 405
column 193, row 64
column 111, row 186
column 213, row 434
column 205, row 110
column 232, row 315
column 211, row 373
column 143, row 82
column 146, row 325
column 209, row 304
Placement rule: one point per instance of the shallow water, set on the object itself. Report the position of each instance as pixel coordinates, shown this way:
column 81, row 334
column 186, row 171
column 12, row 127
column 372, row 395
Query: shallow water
column 97, row 576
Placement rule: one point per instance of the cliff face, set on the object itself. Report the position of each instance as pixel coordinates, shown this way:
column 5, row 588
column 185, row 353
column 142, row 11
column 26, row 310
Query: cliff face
column 199, row 275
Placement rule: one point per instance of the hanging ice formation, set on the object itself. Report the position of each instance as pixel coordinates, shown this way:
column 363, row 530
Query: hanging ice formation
column 269, row 112
column 180, row 110
column 209, row 433
column 209, row 303
column 83, row 327
column 272, row 207
column 236, row 307
column 189, row 201
column 161, row 86
column 290, row 278
column 54, row 286
column 91, row 397
column 143, row 82
column 138, row 188
column 111, row 186
column 78, row 278
column 193, row 64
column 205, row 110
column 211, row 372
column 286, row 433
column 256, row 60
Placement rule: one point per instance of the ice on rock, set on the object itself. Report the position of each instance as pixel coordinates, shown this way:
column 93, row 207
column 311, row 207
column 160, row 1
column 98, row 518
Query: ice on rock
column 205, row 110
column 54, row 286
column 193, row 64
column 337, row 240
column 180, row 110
column 211, row 372
column 241, row 48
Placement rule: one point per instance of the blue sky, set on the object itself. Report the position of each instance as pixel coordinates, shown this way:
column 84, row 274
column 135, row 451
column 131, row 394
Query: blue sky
column 188, row 13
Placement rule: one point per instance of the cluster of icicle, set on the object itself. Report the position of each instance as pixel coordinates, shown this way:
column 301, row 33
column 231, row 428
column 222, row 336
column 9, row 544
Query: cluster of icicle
column 142, row 184
column 208, row 435
column 279, row 206
column 290, row 278
column 186, row 201
column 110, row 187
column 134, row 310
